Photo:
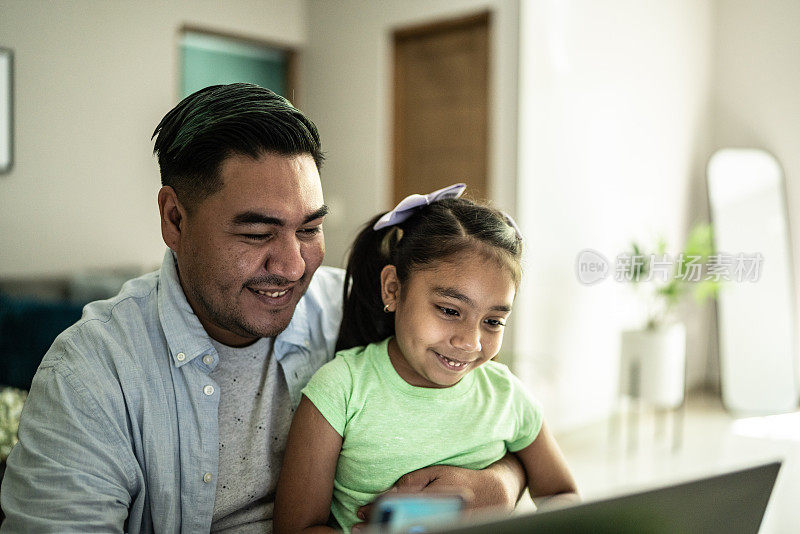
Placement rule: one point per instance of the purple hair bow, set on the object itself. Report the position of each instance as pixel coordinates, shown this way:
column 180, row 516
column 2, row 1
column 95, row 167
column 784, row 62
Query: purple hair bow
column 513, row 224
column 412, row 203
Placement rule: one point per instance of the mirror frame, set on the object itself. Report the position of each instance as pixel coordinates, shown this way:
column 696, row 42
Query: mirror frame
column 6, row 110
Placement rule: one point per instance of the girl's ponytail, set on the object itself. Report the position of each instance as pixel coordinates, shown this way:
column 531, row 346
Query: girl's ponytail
column 364, row 320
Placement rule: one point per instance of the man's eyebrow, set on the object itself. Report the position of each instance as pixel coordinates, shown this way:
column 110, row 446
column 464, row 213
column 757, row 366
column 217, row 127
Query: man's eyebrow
column 254, row 217
column 321, row 212
column 455, row 294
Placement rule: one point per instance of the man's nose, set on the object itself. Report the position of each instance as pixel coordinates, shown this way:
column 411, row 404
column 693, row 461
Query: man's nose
column 286, row 260
column 467, row 338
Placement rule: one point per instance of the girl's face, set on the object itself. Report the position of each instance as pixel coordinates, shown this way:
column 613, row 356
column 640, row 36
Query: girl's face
column 449, row 319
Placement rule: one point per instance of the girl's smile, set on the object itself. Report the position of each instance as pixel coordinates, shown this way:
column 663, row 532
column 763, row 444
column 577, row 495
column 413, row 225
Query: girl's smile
column 451, row 364
column 449, row 318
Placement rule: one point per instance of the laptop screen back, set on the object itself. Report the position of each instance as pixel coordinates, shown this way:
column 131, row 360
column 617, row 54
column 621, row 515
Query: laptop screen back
column 732, row 502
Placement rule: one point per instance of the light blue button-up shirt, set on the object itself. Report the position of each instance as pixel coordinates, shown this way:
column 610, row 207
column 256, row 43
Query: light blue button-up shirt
column 120, row 430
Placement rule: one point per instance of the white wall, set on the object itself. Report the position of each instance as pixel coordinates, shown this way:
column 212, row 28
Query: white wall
column 92, row 80
column 612, row 135
column 347, row 70
column 756, row 88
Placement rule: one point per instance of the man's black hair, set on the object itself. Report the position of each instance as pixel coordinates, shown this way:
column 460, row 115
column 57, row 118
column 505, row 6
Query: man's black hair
column 206, row 127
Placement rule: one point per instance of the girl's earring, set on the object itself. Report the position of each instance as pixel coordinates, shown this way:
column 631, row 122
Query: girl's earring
column 386, row 309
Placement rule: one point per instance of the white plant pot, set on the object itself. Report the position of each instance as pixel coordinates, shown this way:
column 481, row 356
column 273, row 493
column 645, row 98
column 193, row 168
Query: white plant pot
column 653, row 365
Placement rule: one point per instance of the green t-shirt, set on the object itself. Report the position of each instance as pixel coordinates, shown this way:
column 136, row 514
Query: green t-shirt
column 390, row 428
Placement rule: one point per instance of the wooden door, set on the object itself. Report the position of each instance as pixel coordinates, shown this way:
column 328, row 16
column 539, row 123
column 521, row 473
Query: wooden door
column 441, row 83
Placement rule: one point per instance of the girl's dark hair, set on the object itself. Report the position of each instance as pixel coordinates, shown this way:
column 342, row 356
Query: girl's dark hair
column 434, row 233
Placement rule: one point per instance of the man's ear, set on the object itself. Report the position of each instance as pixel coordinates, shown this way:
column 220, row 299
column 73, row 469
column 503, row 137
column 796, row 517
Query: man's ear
column 390, row 288
column 173, row 217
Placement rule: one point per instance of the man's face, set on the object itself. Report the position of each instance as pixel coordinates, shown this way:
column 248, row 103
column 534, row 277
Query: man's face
column 246, row 254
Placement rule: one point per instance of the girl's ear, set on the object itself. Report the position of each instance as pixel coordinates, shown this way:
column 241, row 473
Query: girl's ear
column 390, row 288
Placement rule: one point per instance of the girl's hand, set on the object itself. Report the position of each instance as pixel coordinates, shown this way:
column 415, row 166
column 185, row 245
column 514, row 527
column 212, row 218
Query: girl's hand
column 365, row 512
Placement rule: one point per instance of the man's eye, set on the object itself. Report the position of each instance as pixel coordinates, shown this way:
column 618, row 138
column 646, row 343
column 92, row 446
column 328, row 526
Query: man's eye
column 257, row 237
column 495, row 322
column 310, row 231
column 448, row 311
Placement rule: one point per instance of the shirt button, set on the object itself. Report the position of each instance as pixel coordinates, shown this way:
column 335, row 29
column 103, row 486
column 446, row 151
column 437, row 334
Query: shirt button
column 181, row 356
column 208, row 359
column 208, row 390
column 207, row 478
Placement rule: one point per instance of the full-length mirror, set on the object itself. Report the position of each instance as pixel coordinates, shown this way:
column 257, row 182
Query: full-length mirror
column 758, row 356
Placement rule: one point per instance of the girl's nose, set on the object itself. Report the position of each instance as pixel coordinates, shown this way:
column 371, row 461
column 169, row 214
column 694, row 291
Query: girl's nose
column 467, row 339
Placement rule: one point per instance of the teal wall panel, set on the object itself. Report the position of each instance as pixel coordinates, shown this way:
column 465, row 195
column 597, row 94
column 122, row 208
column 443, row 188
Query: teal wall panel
column 209, row 60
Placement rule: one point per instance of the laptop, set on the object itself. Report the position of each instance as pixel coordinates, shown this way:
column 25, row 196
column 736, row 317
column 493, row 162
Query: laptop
column 731, row 502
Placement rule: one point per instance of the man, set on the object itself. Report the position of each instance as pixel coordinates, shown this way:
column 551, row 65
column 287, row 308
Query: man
column 166, row 408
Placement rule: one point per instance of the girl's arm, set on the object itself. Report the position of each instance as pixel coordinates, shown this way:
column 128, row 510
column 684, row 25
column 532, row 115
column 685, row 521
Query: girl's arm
column 305, row 485
column 497, row 487
column 549, row 479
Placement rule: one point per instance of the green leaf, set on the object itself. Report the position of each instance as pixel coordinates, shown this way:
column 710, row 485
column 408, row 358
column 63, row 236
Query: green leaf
column 700, row 242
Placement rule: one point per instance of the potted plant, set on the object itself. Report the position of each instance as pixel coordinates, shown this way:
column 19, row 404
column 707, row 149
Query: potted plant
column 653, row 357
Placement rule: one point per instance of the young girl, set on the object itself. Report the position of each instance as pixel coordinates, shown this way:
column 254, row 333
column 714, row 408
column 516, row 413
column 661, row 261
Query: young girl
column 429, row 288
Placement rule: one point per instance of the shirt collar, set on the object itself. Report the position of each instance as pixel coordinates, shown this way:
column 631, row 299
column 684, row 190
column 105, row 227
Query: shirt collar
column 185, row 335
column 298, row 333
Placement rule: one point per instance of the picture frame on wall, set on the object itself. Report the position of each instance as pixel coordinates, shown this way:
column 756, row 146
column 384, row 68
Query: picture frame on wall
column 6, row 110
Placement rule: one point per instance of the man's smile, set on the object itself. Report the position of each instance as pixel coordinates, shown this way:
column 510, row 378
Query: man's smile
column 273, row 294
column 273, row 297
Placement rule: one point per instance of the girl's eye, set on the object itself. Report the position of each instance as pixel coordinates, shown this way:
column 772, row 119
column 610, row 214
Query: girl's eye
column 448, row 311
